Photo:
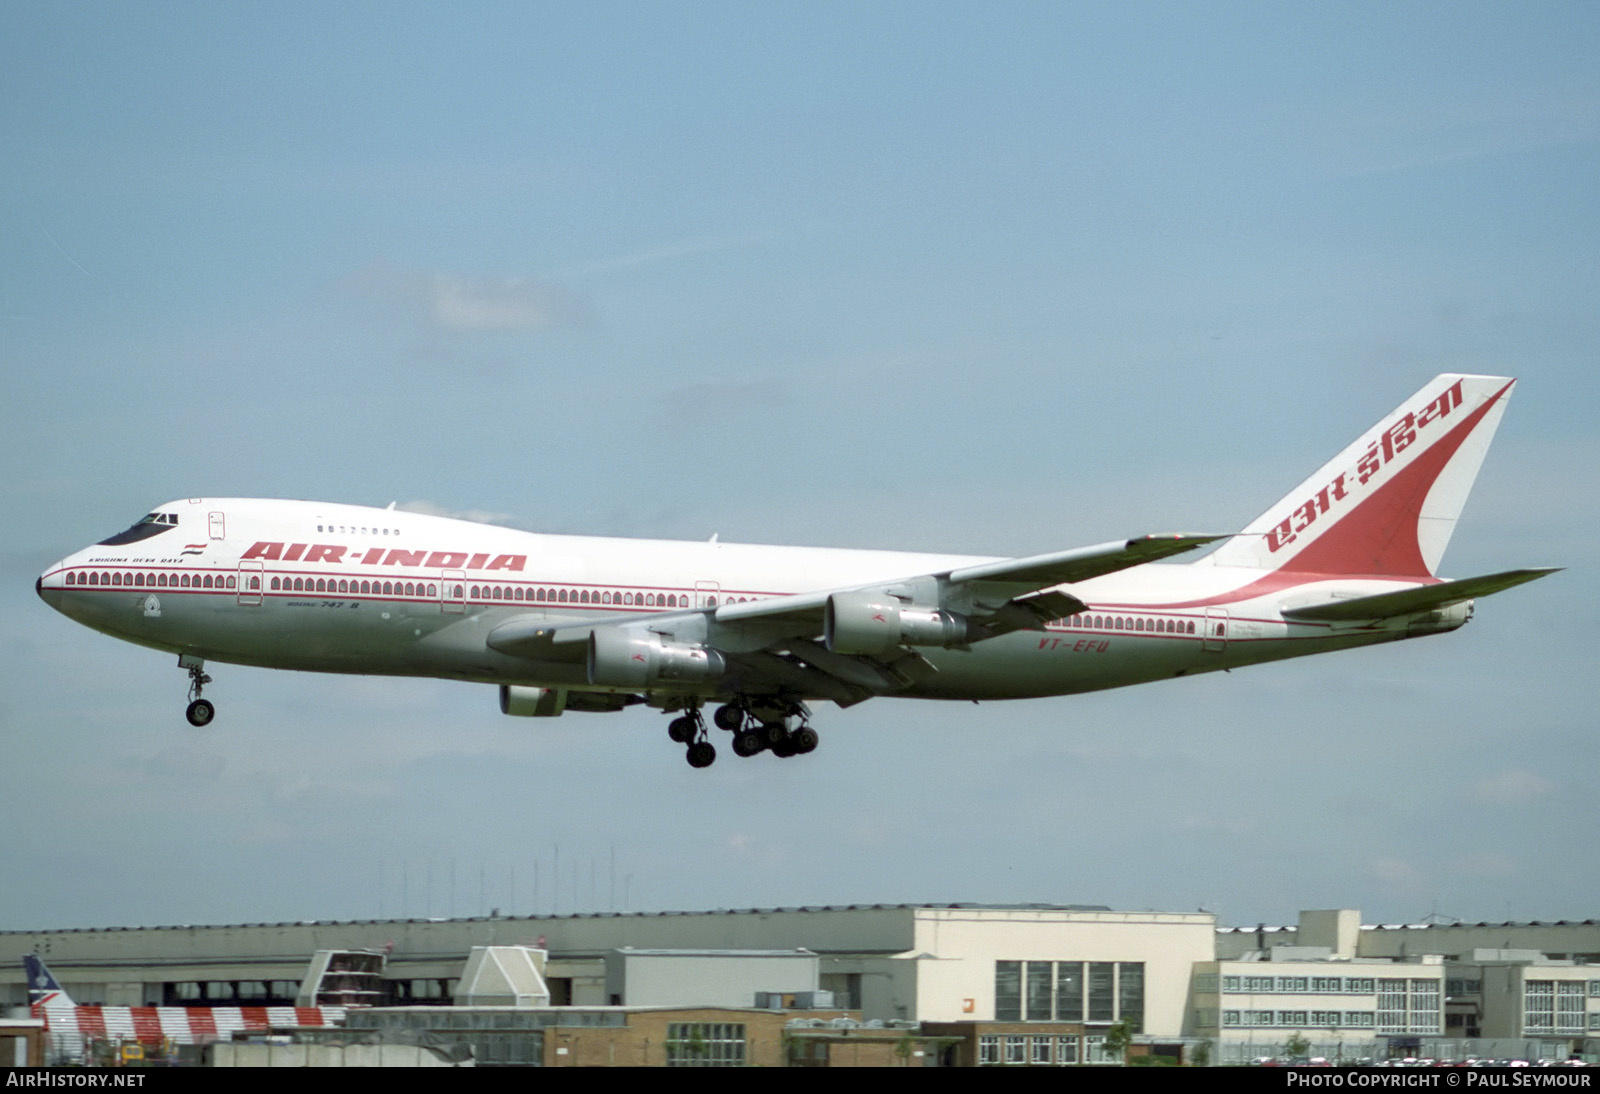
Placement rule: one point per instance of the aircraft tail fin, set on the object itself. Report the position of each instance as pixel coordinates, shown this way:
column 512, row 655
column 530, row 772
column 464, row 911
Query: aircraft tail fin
column 43, row 991
column 1387, row 504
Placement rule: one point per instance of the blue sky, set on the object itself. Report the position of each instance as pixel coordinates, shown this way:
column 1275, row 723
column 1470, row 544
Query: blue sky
column 995, row 279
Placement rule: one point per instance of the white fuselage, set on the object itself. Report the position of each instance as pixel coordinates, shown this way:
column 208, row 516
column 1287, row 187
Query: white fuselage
column 336, row 588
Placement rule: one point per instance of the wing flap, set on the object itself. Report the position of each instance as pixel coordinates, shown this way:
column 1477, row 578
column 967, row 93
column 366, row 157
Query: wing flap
column 1080, row 563
column 1410, row 601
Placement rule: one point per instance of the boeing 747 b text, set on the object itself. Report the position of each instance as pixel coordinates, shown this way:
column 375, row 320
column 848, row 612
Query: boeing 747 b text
column 567, row 623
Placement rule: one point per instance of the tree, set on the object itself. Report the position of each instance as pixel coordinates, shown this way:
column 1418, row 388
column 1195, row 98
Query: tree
column 1119, row 1035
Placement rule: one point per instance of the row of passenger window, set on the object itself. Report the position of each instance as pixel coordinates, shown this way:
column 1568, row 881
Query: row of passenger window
column 585, row 596
column 482, row 592
column 1159, row 625
column 392, row 588
column 538, row 595
column 345, row 585
column 158, row 581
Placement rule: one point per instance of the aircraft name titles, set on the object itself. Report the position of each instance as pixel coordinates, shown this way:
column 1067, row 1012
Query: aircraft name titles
column 1396, row 439
column 334, row 553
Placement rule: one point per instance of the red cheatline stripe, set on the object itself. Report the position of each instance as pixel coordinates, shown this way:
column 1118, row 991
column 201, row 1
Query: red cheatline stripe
column 146, row 1025
column 91, row 1022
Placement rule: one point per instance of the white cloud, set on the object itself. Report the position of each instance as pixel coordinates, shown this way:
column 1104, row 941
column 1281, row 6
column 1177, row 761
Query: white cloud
column 465, row 304
column 1512, row 788
column 495, row 303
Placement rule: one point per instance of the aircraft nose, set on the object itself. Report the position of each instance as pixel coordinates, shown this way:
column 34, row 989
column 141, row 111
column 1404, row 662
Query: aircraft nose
column 50, row 594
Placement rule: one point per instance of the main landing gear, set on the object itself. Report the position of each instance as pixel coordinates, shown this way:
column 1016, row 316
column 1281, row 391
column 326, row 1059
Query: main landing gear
column 690, row 729
column 767, row 726
column 200, row 711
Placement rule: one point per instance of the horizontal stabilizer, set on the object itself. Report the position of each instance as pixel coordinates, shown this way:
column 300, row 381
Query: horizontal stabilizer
column 1410, row 601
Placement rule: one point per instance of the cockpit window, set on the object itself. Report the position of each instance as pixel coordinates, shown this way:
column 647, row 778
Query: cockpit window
column 153, row 524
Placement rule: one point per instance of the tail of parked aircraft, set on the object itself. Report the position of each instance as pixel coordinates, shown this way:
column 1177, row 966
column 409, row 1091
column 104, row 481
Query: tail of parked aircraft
column 43, row 991
column 1387, row 505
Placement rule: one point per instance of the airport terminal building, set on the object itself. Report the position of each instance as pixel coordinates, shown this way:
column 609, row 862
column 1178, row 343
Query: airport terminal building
column 959, row 983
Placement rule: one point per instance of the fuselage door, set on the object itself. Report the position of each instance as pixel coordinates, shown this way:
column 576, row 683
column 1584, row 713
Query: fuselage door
column 251, row 578
column 1215, row 637
column 452, row 591
column 707, row 594
column 217, row 525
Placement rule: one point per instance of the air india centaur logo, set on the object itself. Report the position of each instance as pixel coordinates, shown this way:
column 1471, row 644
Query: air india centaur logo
column 1393, row 441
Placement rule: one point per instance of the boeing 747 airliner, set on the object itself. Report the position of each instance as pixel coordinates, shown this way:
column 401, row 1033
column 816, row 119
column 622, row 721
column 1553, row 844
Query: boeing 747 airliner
column 568, row 623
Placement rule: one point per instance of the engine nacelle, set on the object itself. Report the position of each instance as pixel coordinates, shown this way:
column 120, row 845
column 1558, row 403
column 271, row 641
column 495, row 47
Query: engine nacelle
column 869, row 623
column 526, row 702
column 633, row 659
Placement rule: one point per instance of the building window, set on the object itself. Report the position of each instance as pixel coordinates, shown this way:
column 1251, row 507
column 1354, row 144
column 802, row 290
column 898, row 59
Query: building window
column 1539, row 1013
column 1008, row 991
column 1569, row 1006
column 1425, row 1010
column 1102, row 998
column 1044, row 991
column 1038, row 990
column 1130, row 994
column 705, row 1044
column 1094, row 1052
column 1069, row 991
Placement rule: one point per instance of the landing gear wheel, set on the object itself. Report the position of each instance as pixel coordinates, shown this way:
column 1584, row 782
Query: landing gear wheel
column 774, row 733
column 729, row 717
column 682, row 730
column 701, row 754
column 200, row 713
column 747, row 744
column 804, row 740
column 784, row 748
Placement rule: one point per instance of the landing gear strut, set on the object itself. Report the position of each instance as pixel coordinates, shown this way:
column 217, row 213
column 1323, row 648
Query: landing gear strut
column 762, row 724
column 200, row 711
column 690, row 729
column 770, row 726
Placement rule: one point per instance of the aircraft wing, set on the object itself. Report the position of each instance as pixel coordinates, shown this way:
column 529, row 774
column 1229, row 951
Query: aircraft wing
column 1425, row 598
column 1020, row 575
column 852, row 642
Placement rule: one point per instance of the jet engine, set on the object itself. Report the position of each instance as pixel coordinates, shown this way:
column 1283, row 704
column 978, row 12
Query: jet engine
column 632, row 659
column 526, row 702
column 872, row 623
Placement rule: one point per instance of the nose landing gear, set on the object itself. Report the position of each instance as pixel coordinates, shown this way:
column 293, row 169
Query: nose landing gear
column 200, row 711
